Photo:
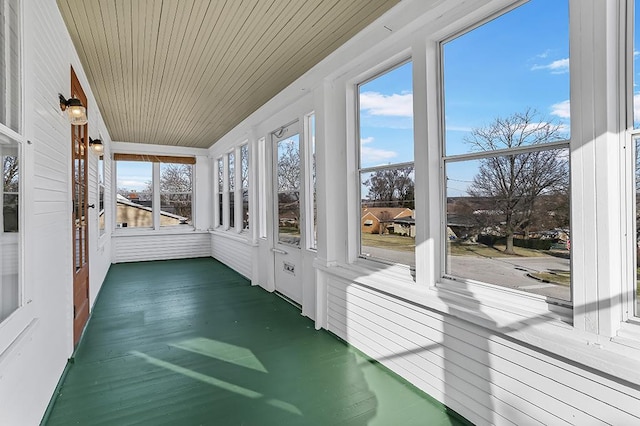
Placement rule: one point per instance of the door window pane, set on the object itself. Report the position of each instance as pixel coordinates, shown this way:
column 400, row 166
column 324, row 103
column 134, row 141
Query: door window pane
column 10, row 64
column 288, row 184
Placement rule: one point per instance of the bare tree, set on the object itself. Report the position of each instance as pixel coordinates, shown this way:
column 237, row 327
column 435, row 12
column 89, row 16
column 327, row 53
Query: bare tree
column 175, row 188
column 515, row 182
column 289, row 181
column 11, row 173
column 392, row 186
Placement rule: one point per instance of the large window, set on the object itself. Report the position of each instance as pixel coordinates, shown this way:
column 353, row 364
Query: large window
column 310, row 137
column 232, row 190
column 176, row 190
column 387, row 219
column 153, row 191
column 506, row 151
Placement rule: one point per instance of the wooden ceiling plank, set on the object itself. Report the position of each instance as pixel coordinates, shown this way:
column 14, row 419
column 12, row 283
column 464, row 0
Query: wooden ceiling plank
column 186, row 115
column 351, row 12
column 286, row 22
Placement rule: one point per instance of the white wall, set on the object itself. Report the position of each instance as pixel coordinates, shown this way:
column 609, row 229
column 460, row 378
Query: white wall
column 31, row 367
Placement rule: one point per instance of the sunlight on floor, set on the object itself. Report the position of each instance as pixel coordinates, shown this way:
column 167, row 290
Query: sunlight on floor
column 230, row 387
column 222, row 351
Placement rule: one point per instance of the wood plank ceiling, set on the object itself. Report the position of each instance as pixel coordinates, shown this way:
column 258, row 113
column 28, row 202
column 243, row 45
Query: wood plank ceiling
column 185, row 72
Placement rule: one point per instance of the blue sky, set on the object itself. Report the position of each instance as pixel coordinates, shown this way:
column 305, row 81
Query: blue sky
column 517, row 61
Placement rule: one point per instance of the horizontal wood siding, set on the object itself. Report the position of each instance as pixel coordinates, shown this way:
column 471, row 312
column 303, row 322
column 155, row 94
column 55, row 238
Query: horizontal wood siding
column 138, row 248
column 233, row 253
column 486, row 378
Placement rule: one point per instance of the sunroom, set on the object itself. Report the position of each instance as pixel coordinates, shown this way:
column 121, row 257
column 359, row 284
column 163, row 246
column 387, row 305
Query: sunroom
column 319, row 212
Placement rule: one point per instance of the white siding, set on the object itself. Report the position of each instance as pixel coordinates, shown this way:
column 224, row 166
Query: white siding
column 31, row 367
column 486, row 378
column 137, row 248
column 233, row 252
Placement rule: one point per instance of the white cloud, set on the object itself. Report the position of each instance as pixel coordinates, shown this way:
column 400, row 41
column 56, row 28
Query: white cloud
column 561, row 109
column 560, row 66
column 636, row 108
column 395, row 105
column 370, row 155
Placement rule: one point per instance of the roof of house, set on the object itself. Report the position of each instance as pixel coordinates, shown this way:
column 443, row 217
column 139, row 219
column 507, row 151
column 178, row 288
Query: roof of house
column 123, row 200
column 394, row 212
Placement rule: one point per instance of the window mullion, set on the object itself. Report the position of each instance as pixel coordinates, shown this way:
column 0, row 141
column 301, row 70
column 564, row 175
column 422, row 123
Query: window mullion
column 156, row 196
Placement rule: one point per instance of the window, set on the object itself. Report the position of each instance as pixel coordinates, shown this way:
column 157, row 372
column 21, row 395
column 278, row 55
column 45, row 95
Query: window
column 636, row 163
column 244, row 154
column 385, row 105
column 134, row 199
column 506, row 152
column 101, row 210
column 10, row 291
column 220, row 192
column 231, row 179
column 10, row 89
column 153, row 191
column 310, row 137
column 175, row 194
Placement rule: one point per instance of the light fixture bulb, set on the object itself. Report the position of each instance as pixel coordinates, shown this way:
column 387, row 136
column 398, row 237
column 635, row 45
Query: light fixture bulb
column 77, row 115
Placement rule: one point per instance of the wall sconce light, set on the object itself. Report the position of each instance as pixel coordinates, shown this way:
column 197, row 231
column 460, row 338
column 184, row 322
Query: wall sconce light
column 96, row 146
column 76, row 112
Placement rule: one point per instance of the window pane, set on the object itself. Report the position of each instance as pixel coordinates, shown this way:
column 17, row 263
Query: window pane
column 387, row 222
column 314, row 196
column 134, row 200
column 289, row 190
column 9, row 239
column 637, row 196
column 175, row 194
column 101, row 211
column 10, row 103
column 386, row 118
column 220, row 191
column 636, row 77
column 387, row 225
column 508, row 221
column 232, row 178
column 244, row 150
column 514, row 66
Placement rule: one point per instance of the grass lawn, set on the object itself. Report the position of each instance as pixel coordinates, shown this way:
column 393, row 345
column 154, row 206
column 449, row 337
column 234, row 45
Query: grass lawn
column 389, row 241
column 555, row 277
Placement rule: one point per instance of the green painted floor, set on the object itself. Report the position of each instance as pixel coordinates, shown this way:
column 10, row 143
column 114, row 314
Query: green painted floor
column 190, row 342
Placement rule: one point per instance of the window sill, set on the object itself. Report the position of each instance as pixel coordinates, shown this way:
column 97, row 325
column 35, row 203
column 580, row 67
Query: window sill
column 231, row 234
column 139, row 232
column 512, row 319
column 15, row 328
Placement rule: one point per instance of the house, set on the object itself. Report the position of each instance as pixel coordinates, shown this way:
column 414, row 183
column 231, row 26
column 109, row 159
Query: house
column 324, row 96
column 374, row 217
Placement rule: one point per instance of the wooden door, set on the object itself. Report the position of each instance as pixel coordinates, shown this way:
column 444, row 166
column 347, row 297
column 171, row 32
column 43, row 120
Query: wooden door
column 79, row 149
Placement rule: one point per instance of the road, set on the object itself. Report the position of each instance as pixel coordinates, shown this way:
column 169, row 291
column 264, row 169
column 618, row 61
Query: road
column 504, row 271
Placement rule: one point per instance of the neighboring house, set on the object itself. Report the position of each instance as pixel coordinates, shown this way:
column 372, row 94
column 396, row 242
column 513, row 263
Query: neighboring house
column 130, row 214
column 373, row 218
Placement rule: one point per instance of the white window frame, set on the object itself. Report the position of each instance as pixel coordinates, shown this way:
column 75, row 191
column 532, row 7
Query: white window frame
column 240, row 188
column 218, row 203
column 309, row 183
column 156, row 208
column 382, row 69
column 19, row 324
